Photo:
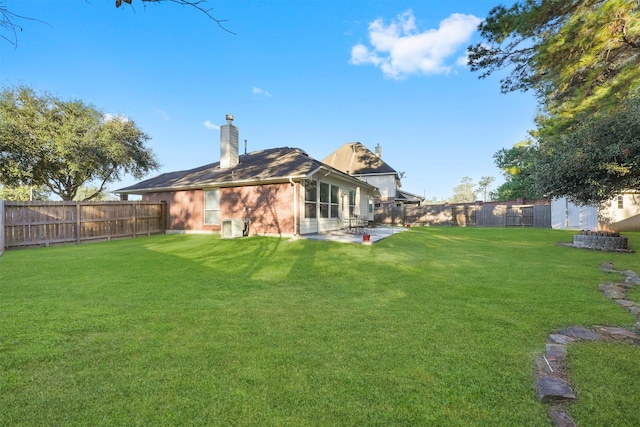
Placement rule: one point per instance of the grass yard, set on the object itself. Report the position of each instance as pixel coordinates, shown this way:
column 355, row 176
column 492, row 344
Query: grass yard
column 434, row 326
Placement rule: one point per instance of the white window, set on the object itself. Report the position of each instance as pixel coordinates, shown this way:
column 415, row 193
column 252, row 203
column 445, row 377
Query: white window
column 620, row 202
column 212, row 207
column 329, row 200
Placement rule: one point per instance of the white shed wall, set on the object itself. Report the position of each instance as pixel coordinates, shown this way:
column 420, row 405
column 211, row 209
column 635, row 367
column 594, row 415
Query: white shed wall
column 567, row 215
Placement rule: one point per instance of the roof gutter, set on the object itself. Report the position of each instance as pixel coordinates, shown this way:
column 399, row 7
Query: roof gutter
column 238, row 183
column 345, row 177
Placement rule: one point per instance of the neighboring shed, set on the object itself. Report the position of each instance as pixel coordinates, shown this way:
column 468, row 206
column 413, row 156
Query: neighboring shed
column 278, row 191
column 567, row 215
column 622, row 213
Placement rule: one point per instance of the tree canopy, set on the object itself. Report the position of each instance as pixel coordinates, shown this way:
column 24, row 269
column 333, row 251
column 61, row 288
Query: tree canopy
column 596, row 161
column 23, row 193
column 516, row 164
column 465, row 191
column 483, row 186
column 582, row 60
column 577, row 54
column 64, row 145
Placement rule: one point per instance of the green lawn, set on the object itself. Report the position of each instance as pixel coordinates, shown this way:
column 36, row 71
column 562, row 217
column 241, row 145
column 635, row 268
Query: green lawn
column 434, row 326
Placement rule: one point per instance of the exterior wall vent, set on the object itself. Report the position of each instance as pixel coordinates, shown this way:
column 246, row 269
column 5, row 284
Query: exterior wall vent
column 231, row 228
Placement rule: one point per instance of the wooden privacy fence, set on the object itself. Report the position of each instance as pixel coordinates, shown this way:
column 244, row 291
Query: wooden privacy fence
column 490, row 215
column 49, row 223
column 1, row 228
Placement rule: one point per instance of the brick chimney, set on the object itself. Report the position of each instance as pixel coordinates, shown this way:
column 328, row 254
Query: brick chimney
column 228, row 144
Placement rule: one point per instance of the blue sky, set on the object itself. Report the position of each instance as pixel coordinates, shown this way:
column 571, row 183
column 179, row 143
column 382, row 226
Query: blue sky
column 307, row 74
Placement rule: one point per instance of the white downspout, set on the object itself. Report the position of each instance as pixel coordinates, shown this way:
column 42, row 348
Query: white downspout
column 295, row 208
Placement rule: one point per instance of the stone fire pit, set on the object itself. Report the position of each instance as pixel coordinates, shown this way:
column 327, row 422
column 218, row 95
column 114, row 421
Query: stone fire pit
column 601, row 240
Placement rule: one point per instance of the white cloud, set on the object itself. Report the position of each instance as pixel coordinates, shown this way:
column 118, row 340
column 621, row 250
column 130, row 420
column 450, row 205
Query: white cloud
column 162, row 114
column 399, row 49
column 462, row 60
column 209, row 125
column 258, row 91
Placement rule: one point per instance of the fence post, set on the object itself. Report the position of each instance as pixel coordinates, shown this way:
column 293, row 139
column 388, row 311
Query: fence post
column 78, row 222
column 135, row 220
column 163, row 214
column 1, row 227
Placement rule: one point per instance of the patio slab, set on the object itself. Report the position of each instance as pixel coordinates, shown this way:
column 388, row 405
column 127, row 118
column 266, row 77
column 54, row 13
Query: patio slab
column 377, row 233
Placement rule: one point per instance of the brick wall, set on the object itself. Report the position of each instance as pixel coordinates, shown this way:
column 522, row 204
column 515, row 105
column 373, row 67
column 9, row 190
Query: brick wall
column 269, row 207
column 185, row 210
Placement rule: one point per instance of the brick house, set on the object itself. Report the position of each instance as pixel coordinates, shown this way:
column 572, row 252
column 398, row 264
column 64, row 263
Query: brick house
column 278, row 191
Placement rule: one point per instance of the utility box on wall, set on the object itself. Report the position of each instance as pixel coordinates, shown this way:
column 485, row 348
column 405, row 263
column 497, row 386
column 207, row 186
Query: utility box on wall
column 231, row 228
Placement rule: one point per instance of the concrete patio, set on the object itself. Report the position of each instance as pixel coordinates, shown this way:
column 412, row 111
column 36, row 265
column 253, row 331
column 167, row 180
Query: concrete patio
column 376, row 233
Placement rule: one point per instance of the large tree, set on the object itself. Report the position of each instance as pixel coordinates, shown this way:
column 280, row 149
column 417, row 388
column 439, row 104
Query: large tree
column 577, row 54
column 582, row 59
column 596, row 161
column 64, row 145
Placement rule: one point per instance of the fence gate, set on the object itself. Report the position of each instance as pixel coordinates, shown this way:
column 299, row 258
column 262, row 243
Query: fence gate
column 520, row 216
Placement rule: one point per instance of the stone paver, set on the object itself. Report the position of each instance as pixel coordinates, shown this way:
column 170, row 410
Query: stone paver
column 553, row 379
column 580, row 333
column 618, row 333
column 552, row 389
column 556, row 352
column 560, row 339
column 613, row 291
column 561, row 417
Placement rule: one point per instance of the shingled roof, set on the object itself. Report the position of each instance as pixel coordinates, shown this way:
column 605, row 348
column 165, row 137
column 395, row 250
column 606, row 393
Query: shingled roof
column 356, row 159
column 257, row 167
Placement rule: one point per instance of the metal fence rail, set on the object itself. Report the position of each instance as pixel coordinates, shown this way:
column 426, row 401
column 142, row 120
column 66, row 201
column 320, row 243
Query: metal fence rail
column 49, row 223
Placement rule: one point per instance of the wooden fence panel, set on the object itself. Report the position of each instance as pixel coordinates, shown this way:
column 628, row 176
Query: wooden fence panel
column 542, row 216
column 466, row 215
column 430, row 215
column 492, row 216
column 520, row 216
column 389, row 215
column 1, row 227
column 30, row 223
column 46, row 223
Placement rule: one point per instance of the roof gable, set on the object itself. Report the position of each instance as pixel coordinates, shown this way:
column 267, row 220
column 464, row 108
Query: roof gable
column 356, row 159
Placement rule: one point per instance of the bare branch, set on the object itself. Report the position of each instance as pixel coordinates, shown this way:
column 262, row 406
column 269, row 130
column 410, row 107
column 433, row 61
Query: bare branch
column 196, row 4
column 9, row 23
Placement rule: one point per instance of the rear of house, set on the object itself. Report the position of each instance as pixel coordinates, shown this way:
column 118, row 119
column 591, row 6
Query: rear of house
column 279, row 191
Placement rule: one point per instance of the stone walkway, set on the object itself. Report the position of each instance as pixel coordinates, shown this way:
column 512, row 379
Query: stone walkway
column 553, row 384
